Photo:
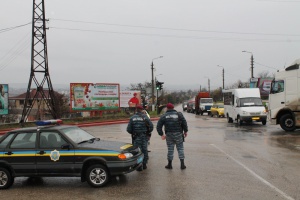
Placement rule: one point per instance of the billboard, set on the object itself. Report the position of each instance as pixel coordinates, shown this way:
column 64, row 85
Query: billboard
column 3, row 99
column 94, row 96
column 125, row 96
column 264, row 85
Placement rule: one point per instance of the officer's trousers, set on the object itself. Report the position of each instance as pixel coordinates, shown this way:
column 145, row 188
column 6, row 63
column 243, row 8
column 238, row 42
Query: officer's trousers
column 142, row 142
column 172, row 140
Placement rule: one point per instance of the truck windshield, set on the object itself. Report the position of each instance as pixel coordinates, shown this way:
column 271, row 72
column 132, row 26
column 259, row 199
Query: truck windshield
column 206, row 100
column 250, row 101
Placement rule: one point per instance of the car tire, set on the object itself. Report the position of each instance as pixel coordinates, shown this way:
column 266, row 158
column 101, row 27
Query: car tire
column 229, row 119
column 211, row 114
column 264, row 122
column 6, row 179
column 218, row 116
column 287, row 122
column 239, row 121
column 97, row 175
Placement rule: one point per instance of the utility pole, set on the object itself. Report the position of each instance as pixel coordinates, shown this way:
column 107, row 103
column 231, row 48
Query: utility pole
column 209, row 85
column 152, row 83
column 252, row 65
column 39, row 74
column 251, row 62
column 223, row 74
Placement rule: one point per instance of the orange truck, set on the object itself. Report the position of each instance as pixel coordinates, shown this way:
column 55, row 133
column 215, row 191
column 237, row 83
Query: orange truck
column 203, row 103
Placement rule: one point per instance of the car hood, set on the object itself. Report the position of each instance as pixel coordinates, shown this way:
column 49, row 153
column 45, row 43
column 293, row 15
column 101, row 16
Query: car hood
column 107, row 145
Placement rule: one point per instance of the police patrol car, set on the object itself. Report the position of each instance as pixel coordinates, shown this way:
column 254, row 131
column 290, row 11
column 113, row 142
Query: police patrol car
column 63, row 151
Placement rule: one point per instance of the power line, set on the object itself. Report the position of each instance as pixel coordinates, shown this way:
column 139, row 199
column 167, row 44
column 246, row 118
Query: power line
column 178, row 29
column 12, row 28
column 175, row 36
column 11, row 55
column 265, row 65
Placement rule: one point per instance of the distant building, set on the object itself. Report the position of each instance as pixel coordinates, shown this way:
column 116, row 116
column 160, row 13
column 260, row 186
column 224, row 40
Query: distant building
column 16, row 105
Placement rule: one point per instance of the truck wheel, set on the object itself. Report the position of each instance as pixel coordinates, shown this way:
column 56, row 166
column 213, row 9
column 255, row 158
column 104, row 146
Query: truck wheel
column 287, row 122
column 211, row 114
column 218, row 116
column 264, row 122
column 6, row 180
column 97, row 175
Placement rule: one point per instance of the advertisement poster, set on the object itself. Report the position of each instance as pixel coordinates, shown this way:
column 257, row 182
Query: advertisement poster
column 264, row 85
column 3, row 99
column 125, row 96
column 94, row 96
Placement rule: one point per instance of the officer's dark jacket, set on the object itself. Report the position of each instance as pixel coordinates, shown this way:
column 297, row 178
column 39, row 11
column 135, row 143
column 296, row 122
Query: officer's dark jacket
column 137, row 124
column 171, row 122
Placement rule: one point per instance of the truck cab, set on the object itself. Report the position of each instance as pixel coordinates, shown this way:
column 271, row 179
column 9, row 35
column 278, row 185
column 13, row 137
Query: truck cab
column 284, row 102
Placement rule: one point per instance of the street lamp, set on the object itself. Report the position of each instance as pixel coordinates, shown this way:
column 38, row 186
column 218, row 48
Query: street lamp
column 223, row 73
column 208, row 83
column 252, row 62
column 152, row 82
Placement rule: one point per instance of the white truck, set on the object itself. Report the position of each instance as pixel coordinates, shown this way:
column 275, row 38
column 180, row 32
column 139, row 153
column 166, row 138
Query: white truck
column 244, row 105
column 284, row 98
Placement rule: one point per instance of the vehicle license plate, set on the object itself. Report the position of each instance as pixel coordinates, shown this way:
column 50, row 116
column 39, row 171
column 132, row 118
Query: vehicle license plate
column 255, row 118
column 140, row 159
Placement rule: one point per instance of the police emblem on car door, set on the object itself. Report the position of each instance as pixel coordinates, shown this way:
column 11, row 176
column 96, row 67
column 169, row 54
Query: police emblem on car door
column 51, row 156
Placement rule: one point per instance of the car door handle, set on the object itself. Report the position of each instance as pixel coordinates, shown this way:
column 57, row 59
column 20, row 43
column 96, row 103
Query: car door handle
column 282, row 102
column 41, row 152
column 9, row 153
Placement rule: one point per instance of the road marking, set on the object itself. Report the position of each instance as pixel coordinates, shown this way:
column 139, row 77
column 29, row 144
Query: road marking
column 254, row 174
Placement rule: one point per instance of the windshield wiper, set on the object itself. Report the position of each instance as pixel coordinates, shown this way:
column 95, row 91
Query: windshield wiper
column 89, row 141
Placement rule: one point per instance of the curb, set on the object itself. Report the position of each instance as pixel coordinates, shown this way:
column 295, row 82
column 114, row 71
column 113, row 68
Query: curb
column 2, row 132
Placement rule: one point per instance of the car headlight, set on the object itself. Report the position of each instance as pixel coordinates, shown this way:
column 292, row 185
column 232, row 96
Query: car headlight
column 124, row 156
column 264, row 112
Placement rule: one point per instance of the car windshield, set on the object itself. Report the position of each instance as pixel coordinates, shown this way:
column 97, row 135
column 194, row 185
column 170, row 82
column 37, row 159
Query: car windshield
column 252, row 101
column 77, row 135
column 220, row 106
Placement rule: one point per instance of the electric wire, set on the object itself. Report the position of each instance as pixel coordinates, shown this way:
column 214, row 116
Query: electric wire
column 14, row 52
column 265, row 66
column 173, row 36
column 178, row 29
column 12, row 28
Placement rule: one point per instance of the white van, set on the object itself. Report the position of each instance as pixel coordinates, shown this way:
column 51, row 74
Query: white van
column 244, row 105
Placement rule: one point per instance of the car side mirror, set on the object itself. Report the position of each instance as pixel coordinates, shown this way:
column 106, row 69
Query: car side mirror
column 66, row 146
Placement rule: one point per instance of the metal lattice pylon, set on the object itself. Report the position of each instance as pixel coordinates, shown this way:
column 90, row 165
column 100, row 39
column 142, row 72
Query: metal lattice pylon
column 40, row 88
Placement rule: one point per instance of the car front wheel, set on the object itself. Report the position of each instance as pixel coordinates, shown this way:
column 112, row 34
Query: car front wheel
column 97, row 175
column 6, row 180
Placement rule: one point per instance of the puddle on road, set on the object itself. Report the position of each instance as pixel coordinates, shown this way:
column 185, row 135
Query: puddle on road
column 288, row 141
column 274, row 137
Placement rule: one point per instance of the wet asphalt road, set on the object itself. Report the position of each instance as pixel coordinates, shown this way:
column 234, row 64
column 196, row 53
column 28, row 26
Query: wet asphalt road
column 224, row 161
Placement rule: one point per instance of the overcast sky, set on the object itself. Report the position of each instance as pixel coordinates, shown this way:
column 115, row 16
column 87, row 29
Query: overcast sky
column 115, row 41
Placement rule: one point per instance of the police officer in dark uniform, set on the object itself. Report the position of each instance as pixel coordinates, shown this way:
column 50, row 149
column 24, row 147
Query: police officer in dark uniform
column 138, row 126
column 175, row 124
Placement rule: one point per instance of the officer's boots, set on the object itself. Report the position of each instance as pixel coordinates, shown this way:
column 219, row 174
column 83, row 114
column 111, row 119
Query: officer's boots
column 169, row 165
column 144, row 166
column 182, row 166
